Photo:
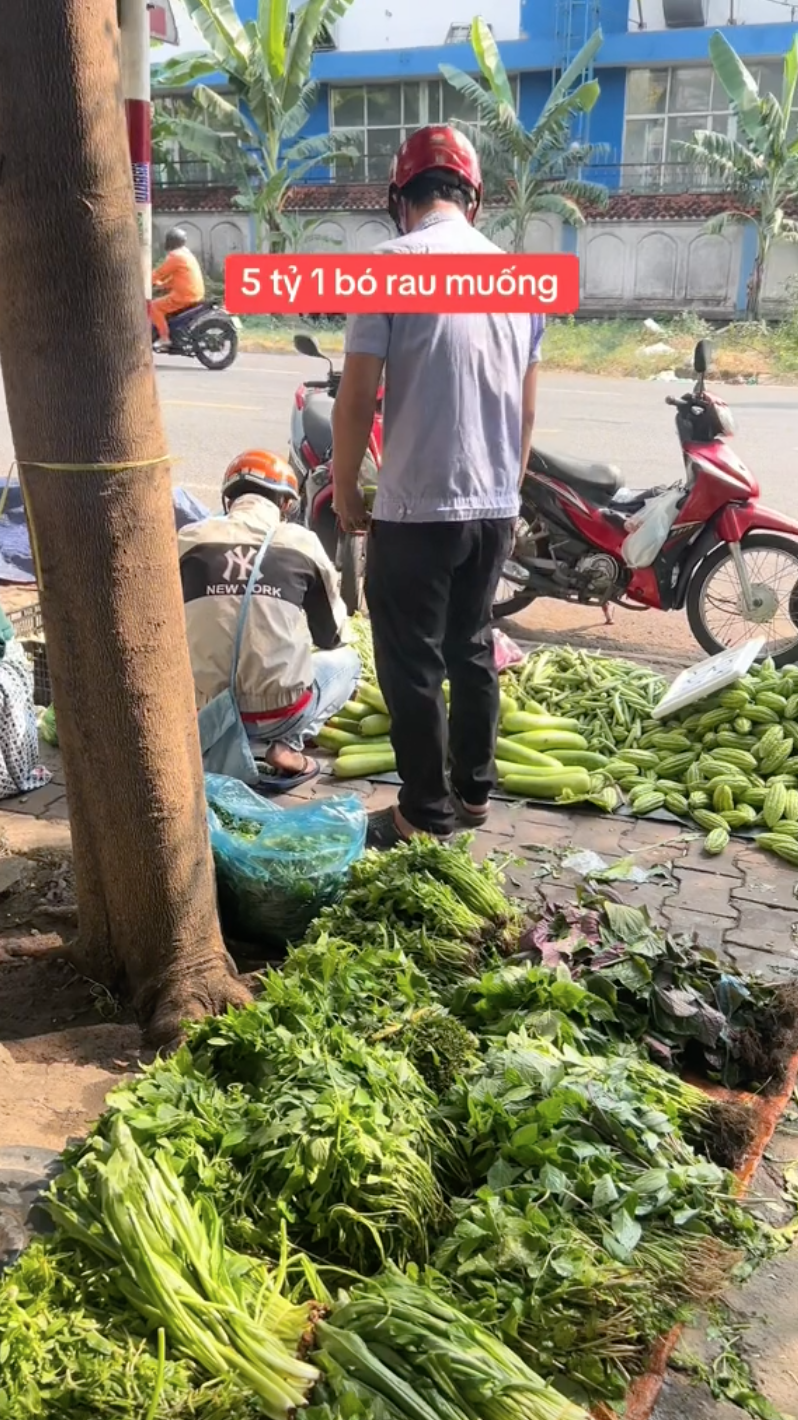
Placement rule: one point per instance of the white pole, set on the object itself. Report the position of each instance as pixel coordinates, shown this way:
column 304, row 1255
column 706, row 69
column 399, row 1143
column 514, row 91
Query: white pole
column 134, row 16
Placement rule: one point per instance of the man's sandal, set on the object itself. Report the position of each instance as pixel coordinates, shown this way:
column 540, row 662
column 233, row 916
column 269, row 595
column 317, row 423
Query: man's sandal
column 470, row 817
column 384, row 833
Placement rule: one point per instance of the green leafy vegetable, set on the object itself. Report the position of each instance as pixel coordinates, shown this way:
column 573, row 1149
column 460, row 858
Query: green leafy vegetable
column 222, row 1311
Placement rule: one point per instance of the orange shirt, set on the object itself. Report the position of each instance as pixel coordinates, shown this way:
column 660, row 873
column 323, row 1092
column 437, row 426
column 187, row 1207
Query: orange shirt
column 181, row 276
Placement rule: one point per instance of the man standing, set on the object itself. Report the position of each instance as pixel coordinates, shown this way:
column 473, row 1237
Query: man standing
column 458, row 419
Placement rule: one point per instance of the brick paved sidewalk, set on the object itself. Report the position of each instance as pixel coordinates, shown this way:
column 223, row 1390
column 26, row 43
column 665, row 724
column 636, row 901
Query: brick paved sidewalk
column 742, row 905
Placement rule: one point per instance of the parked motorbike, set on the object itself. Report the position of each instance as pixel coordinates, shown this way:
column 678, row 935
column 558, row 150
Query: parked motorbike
column 206, row 333
column 309, row 454
column 731, row 563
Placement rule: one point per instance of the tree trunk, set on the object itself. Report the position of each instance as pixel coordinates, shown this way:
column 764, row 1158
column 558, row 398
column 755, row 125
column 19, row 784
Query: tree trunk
column 80, row 388
column 756, row 281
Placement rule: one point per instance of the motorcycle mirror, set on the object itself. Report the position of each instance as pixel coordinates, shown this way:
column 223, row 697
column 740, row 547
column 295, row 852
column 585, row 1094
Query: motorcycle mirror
column 306, row 345
column 702, row 357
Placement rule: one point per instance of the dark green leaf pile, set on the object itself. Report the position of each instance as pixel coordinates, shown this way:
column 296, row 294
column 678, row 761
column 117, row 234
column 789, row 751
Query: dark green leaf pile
column 403, row 1094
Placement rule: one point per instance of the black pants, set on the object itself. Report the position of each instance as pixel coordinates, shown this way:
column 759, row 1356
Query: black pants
column 430, row 589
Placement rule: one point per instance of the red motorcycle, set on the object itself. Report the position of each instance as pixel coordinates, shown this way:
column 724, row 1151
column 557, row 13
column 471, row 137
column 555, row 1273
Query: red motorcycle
column 731, row 563
column 309, row 454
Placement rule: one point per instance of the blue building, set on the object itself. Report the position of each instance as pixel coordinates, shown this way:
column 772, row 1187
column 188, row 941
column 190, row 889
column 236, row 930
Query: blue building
column 380, row 78
column 383, row 76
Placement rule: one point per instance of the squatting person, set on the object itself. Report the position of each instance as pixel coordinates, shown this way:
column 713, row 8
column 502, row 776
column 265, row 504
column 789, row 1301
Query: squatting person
column 296, row 669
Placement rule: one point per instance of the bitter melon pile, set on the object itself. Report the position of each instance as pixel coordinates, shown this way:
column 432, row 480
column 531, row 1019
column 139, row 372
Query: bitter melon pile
column 729, row 763
column 579, row 727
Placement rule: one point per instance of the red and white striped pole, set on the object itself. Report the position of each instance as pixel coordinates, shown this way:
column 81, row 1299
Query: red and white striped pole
column 134, row 26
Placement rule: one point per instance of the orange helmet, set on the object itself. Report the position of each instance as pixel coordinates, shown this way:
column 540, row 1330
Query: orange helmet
column 257, row 471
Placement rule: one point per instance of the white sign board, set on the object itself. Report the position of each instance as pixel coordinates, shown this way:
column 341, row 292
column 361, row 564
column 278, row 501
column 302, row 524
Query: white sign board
column 708, row 677
column 163, row 26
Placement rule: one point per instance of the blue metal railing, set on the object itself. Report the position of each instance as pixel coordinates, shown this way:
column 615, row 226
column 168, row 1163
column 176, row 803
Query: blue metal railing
column 189, row 172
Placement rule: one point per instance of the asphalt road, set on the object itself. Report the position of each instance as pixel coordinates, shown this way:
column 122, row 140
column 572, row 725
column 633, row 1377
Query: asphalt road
column 211, row 417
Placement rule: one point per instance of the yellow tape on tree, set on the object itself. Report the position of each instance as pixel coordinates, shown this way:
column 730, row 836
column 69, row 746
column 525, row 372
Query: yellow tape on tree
column 19, row 464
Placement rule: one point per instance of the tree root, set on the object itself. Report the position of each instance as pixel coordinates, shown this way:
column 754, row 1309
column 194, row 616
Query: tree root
column 176, row 1004
column 35, row 949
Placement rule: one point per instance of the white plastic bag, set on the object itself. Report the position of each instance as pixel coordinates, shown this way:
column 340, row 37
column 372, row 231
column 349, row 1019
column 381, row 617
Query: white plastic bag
column 651, row 527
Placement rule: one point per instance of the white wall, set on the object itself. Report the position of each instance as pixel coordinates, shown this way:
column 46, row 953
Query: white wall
column 409, row 24
column 624, row 266
column 718, row 12
column 667, row 266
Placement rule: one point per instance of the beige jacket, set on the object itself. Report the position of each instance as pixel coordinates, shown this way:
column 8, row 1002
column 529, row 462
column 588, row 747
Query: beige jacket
column 295, row 606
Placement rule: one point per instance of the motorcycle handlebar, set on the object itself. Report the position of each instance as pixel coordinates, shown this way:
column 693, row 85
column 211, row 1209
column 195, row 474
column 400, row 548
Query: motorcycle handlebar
column 684, row 400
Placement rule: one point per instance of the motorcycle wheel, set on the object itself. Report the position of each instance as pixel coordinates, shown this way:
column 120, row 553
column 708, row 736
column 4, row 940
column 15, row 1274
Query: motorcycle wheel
column 510, row 598
column 215, row 344
column 718, row 622
column 352, row 566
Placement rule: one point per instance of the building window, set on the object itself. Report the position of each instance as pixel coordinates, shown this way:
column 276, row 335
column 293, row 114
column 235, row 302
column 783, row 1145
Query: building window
column 380, row 116
column 665, row 107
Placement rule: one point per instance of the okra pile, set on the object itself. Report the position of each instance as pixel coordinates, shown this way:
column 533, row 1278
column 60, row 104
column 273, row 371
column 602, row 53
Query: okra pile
column 728, row 764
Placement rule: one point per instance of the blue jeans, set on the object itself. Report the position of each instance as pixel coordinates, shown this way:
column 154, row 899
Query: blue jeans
column 335, row 679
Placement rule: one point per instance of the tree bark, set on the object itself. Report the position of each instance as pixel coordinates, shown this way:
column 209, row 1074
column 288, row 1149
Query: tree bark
column 80, row 388
column 756, row 283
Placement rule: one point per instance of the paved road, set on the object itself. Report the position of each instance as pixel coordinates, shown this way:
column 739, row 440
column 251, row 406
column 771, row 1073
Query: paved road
column 211, row 417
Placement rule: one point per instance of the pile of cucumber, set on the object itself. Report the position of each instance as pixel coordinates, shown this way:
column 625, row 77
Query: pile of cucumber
column 539, row 756
column 727, row 764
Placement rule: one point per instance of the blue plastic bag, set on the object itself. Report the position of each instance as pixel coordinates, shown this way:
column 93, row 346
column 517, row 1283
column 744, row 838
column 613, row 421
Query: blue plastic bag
column 276, row 868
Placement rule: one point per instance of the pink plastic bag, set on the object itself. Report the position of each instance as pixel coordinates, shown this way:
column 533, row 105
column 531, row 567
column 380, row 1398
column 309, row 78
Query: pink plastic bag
column 505, row 651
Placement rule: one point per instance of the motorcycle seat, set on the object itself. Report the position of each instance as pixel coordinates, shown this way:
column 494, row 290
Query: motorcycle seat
column 596, row 480
column 189, row 312
column 317, row 423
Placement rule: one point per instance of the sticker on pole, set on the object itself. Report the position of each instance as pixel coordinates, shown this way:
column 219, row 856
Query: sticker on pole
column 699, row 682
column 163, row 26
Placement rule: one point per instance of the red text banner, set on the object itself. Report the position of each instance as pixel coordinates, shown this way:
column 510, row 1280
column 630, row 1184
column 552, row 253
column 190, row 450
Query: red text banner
column 411, row 284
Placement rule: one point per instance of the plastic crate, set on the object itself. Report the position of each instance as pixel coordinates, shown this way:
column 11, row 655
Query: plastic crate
column 27, row 622
column 29, row 631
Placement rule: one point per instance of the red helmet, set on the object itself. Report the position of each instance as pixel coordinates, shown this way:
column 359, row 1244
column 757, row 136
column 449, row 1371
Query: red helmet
column 258, row 471
column 435, row 149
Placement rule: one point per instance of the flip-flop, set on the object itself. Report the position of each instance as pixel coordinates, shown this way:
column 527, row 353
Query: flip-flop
column 272, row 782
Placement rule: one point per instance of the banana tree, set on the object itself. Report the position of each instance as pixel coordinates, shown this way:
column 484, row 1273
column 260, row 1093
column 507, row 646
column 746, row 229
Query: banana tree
column 266, row 67
column 759, row 165
column 173, row 134
column 539, row 168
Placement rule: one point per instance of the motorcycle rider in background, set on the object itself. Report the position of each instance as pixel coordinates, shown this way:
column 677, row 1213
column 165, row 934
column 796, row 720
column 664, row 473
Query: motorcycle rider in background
column 181, row 279
column 458, row 421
